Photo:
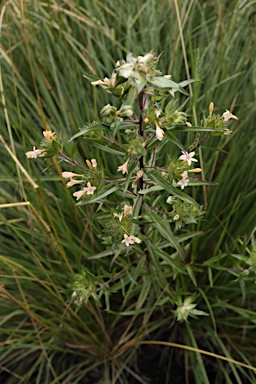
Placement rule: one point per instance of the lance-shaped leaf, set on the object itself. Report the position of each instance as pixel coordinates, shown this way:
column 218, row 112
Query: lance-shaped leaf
column 160, row 180
column 165, row 82
column 163, row 226
column 174, row 140
column 185, row 128
column 88, row 128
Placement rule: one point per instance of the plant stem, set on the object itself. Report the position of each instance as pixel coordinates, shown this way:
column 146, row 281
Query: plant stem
column 65, row 157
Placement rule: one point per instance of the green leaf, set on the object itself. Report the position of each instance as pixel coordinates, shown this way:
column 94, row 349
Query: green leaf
column 191, row 275
column 155, row 188
column 160, row 180
column 107, row 148
column 193, row 183
column 187, row 82
column 164, row 229
column 87, row 129
column 164, row 82
column 174, row 140
column 130, row 96
column 185, row 128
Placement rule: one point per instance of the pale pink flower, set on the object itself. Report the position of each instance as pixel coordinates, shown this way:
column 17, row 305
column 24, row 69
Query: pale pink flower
column 123, row 168
column 79, row 194
column 68, row 175
column 33, row 154
column 48, row 134
column 184, row 175
column 106, row 81
column 73, row 182
column 228, row 115
column 187, row 157
column 130, row 240
column 195, row 170
column 127, row 210
column 139, row 174
column 159, row 132
column 89, row 190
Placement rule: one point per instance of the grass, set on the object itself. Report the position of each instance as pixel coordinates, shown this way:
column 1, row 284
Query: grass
column 46, row 239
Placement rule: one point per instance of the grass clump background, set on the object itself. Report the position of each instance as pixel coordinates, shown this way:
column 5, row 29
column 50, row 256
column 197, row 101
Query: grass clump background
column 46, row 239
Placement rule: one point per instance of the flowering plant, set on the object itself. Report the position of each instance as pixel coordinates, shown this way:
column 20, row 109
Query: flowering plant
column 149, row 194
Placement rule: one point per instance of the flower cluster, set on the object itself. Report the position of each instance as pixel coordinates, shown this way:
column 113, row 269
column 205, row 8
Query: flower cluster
column 186, row 308
column 49, row 146
column 82, row 179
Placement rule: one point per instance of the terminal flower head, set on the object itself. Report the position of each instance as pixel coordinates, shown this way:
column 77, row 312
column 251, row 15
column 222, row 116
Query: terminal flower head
column 130, row 240
column 187, row 157
column 228, row 115
column 123, row 168
column 159, row 132
column 33, row 154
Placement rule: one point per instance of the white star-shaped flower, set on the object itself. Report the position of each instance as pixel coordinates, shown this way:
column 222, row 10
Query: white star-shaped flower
column 228, row 115
column 130, row 240
column 183, row 183
column 187, row 157
column 123, row 168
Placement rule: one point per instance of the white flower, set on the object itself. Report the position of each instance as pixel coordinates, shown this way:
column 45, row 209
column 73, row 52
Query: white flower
column 158, row 112
column 183, row 182
column 184, row 175
column 130, row 240
column 176, row 217
column 228, row 115
column 187, row 157
column 123, row 167
column 94, row 163
column 69, row 175
column 159, row 132
column 33, row 154
column 89, row 190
